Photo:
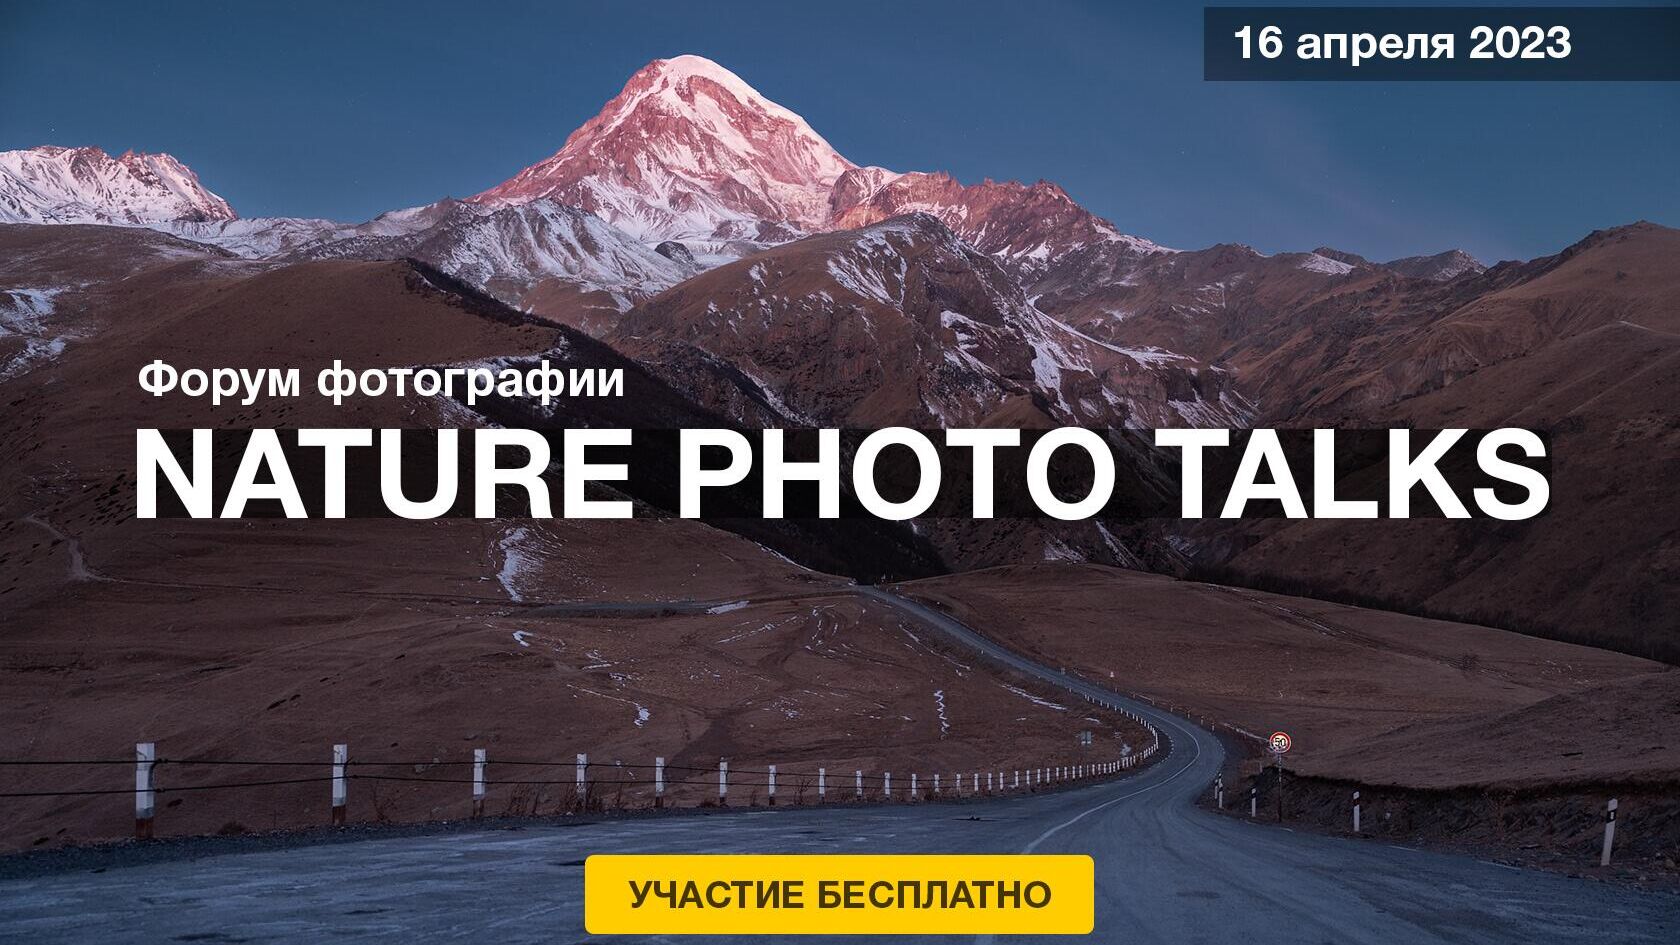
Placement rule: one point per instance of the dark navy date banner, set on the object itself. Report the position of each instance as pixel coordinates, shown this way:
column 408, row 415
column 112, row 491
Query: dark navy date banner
column 1457, row 44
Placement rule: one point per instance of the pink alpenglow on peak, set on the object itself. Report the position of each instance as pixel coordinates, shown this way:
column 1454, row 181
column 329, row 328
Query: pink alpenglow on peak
column 86, row 185
column 688, row 151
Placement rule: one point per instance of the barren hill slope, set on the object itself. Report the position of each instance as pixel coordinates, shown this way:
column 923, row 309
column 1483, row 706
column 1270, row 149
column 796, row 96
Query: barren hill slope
column 413, row 641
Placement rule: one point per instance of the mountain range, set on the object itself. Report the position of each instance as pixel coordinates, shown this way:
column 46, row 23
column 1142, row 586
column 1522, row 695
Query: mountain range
column 717, row 239
column 687, row 152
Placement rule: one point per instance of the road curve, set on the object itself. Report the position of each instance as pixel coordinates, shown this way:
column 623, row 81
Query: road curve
column 1167, row 871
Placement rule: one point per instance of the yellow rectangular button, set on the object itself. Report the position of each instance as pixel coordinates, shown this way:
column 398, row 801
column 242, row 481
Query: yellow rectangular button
column 847, row 894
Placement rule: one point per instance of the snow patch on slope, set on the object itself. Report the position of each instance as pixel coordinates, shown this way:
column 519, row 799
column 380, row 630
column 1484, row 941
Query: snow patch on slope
column 1324, row 264
column 519, row 563
column 23, row 314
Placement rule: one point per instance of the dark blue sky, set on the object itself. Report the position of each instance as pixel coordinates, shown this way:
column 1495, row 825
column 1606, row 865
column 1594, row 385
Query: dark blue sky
column 347, row 109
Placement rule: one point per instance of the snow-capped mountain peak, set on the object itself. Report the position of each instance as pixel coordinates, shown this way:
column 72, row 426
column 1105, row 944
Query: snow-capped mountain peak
column 688, row 150
column 86, row 185
column 673, row 84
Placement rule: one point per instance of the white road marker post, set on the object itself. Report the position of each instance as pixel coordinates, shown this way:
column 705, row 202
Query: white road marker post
column 772, row 794
column 822, row 785
column 723, row 782
column 478, row 782
column 912, row 786
column 1253, row 802
column 859, row 775
column 582, row 782
column 1355, row 811
column 658, row 783
column 1219, row 790
column 1017, row 779
column 340, row 796
column 1609, row 832
column 936, row 785
column 988, row 782
column 145, row 800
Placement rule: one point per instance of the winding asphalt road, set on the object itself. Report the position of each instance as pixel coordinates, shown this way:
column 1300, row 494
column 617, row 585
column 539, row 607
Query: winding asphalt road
column 1166, row 871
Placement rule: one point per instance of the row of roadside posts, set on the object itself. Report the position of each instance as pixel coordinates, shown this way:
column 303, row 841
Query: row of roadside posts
column 146, row 760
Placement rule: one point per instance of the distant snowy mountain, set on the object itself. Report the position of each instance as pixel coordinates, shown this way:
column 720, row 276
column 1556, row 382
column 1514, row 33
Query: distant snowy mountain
column 688, row 151
column 255, row 237
column 690, row 169
column 510, row 250
column 86, row 185
column 543, row 246
column 1026, row 227
column 384, row 237
column 1440, row 267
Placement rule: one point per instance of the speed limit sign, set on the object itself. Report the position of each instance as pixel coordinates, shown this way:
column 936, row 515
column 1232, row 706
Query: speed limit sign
column 1280, row 742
